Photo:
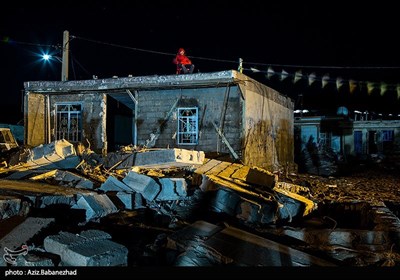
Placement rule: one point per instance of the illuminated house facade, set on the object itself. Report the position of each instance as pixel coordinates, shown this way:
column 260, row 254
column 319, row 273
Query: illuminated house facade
column 224, row 112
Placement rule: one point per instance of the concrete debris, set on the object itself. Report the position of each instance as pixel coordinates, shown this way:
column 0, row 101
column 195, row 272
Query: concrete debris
column 172, row 189
column 22, row 233
column 131, row 201
column 59, row 154
column 35, row 258
column 142, row 184
column 169, row 158
column 235, row 247
column 234, row 171
column 9, row 206
column 91, row 248
column 47, row 200
column 66, row 179
column 113, row 184
column 96, row 206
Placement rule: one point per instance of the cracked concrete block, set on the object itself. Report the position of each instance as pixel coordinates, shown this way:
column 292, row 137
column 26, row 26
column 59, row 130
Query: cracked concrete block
column 167, row 190
column 180, row 186
column 95, row 253
column 142, row 184
column 56, row 244
column 113, row 184
column 225, row 201
column 169, row 158
column 96, row 205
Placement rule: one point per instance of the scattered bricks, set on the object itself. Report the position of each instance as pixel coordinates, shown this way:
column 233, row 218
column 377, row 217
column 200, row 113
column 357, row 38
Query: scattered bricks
column 95, row 253
column 113, row 184
column 143, row 184
column 96, row 205
column 225, row 201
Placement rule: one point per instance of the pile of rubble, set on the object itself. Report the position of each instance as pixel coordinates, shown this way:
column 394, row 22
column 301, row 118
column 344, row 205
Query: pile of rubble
column 73, row 207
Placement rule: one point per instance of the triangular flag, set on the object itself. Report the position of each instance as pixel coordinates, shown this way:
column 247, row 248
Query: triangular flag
column 383, row 88
column 352, row 86
column 297, row 76
column 270, row 72
column 398, row 91
column 370, row 87
column 254, row 70
column 284, row 75
column 339, row 83
column 325, row 80
column 311, row 79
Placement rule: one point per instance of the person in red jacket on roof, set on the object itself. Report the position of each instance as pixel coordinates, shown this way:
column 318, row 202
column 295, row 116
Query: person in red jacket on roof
column 183, row 63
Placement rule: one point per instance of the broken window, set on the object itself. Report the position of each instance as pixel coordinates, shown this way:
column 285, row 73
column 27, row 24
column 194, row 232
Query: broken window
column 69, row 122
column 187, row 126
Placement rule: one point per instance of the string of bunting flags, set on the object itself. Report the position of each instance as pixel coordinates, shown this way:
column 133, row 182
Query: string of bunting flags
column 325, row 80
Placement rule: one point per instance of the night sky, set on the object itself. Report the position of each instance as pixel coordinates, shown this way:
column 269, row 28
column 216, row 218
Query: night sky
column 354, row 42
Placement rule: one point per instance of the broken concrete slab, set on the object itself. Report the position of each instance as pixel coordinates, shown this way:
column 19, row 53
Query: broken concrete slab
column 96, row 206
column 59, row 154
column 66, row 179
column 22, row 233
column 47, row 200
column 225, row 201
column 34, row 258
column 90, row 248
column 169, row 158
column 234, row 171
column 113, row 184
column 142, row 184
column 237, row 247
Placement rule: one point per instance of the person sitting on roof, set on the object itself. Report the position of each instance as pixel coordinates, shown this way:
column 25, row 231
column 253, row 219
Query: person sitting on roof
column 183, row 63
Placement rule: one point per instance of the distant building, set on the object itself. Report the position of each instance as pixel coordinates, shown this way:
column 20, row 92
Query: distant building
column 346, row 138
column 225, row 112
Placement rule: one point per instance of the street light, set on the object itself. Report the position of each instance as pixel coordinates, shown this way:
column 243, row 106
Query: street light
column 65, row 58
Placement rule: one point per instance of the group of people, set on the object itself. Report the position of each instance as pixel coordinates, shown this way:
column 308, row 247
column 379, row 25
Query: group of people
column 183, row 63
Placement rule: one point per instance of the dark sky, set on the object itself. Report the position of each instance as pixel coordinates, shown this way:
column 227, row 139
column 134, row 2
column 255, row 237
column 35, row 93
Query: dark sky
column 119, row 37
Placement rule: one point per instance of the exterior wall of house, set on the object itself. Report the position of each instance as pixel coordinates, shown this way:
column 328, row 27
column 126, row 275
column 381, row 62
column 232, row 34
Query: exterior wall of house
column 34, row 116
column 268, row 129
column 93, row 118
column 154, row 106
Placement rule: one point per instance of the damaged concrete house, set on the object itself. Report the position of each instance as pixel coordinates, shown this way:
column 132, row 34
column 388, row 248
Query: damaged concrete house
column 224, row 112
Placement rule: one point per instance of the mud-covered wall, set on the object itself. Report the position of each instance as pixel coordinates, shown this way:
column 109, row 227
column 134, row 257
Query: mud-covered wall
column 93, row 118
column 268, row 130
column 34, row 115
column 153, row 108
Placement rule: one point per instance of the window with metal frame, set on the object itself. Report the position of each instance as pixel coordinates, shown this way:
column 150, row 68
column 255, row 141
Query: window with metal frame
column 188, row 130
column 68, row 124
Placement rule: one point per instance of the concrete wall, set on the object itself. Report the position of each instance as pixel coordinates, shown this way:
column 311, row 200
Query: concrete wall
column 153, row 107
column 268, row 129
column 93, row 118
column 34, row 115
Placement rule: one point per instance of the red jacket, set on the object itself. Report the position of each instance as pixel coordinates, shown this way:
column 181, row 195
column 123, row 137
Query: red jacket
column 182, row 58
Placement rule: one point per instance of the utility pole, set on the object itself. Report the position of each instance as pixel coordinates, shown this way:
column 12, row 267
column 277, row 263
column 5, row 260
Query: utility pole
column 65, row 56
